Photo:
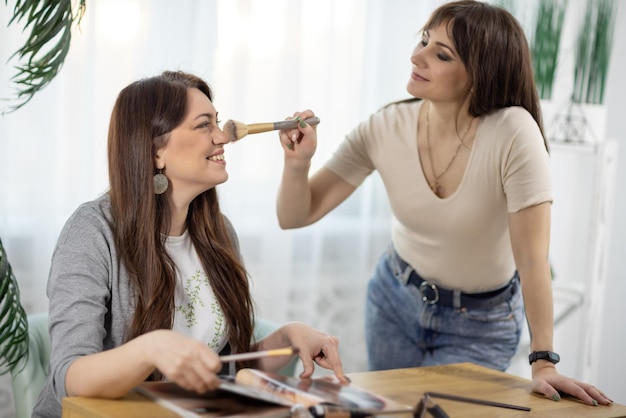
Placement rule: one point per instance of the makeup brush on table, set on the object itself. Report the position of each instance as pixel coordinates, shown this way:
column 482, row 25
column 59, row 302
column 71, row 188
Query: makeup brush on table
column 237, row 130
column 253, row 355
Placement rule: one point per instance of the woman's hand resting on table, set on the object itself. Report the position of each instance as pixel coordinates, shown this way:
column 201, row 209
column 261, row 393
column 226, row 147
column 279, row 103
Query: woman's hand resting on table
column 548, row 381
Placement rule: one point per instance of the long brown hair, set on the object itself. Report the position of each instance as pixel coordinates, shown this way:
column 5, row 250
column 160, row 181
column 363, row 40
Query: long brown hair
column 495, row 52
column 143, row 116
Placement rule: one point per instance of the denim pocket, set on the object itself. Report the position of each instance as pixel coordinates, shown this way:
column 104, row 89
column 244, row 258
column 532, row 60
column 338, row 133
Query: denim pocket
column 504, row 311
column 503, row 322
column 501, row 312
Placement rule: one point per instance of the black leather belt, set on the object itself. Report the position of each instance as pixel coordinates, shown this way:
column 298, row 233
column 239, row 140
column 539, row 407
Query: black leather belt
column 434, row 294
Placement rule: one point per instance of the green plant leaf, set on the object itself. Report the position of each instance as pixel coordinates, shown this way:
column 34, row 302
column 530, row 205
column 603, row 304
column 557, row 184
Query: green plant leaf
column 593, row 50
column 41, row 57
column 544, row 36
column 545, row 44
column 13, row 319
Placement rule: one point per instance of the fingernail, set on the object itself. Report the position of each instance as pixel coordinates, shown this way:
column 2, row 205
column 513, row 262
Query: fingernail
column 302, row 124
column 594, row 402
column 298, row 119
column 556, row 397
column 290, row 145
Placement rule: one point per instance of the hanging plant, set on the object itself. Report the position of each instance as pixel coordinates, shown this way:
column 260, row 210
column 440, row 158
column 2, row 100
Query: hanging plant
column 542, row 25
column 593, row 50
column 13, row 319
column 42, row 55
column 545, row 44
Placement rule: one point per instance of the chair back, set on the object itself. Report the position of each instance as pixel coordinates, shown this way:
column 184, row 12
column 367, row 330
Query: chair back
column 30, row 375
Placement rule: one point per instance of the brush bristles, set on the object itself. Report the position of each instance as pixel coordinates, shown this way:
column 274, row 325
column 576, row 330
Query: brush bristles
column 235, row 130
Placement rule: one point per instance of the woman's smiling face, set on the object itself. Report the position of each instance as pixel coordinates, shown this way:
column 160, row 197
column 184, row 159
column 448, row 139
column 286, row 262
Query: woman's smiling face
column 193, row 156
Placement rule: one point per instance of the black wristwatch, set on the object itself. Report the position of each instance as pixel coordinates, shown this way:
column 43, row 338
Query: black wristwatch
column 553, row 358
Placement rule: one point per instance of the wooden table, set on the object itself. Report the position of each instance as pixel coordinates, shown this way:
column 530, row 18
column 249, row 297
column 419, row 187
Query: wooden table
column 406, row 386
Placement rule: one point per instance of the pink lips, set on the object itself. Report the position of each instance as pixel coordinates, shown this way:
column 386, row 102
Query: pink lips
column 417, row 77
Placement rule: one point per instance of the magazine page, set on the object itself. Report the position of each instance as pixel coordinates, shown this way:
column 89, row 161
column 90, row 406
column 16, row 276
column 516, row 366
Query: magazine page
column 219, row 403
column 263, row 394
column 309, row 392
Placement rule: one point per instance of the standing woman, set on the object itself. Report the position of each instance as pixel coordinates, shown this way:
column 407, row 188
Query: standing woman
column 466, row 170
column 146, row 281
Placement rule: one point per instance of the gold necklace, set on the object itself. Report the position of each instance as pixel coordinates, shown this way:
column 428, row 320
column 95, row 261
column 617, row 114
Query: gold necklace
column 435, row 185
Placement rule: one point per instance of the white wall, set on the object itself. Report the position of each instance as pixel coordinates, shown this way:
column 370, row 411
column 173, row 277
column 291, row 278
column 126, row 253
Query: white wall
column 612, row 366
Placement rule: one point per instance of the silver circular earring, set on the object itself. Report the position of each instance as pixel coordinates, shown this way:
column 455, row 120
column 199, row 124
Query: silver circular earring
column 160, row 182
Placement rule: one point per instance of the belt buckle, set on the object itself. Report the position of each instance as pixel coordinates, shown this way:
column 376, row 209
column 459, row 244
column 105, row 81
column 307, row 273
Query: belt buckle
column 423, row 287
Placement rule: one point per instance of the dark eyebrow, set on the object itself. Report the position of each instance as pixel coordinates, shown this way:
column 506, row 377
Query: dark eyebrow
column 441, row 44
column 207, row 115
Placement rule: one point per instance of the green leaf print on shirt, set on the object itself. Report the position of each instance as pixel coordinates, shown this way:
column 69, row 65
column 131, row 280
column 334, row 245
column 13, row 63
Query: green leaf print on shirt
column 219, row 326
column 192, row 289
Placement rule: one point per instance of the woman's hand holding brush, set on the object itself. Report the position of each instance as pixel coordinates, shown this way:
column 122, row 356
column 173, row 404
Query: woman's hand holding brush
column 295, row 197
column 300, row 142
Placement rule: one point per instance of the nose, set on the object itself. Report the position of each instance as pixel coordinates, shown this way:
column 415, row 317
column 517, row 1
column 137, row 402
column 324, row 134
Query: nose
column 219, row 137
column 417, row 57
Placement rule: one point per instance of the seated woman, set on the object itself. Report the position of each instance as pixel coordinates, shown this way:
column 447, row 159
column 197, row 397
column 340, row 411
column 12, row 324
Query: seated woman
column 146, row 281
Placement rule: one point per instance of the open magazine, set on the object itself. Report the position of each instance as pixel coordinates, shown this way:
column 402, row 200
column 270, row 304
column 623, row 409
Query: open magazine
column 263, row 394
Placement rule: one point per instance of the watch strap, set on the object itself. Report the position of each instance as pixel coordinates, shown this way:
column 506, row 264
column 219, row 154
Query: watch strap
column 551, row 356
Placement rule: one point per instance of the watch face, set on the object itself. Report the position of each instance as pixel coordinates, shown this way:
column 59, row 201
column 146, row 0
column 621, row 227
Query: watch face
column 553, row 357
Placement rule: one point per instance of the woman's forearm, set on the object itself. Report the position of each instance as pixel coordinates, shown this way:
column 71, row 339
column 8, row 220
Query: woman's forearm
column 293, row 204
column 111, row 373
column 538, row 304
column 184, row 360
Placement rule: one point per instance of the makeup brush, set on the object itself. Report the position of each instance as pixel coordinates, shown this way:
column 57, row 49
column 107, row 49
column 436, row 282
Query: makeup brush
column 237, row 130
column 287, row 351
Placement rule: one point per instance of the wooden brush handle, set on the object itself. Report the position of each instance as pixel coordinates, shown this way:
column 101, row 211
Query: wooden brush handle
column 256, row 128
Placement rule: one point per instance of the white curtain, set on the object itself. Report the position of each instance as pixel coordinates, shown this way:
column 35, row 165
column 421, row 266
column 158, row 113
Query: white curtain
column 265, row 59
column 333, row 57
column 53, row 150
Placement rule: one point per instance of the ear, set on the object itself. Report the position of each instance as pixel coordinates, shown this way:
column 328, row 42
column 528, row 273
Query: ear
column 159, row 159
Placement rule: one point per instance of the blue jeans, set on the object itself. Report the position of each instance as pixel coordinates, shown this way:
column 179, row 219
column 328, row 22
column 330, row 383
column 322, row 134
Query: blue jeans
column 402, row 330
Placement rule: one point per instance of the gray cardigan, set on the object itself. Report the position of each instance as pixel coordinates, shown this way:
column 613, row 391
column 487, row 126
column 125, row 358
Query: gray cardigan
column 90, row 296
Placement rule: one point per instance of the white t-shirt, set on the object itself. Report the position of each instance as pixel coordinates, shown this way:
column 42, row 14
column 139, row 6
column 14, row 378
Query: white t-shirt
column 460, row 242
column 197, row 312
